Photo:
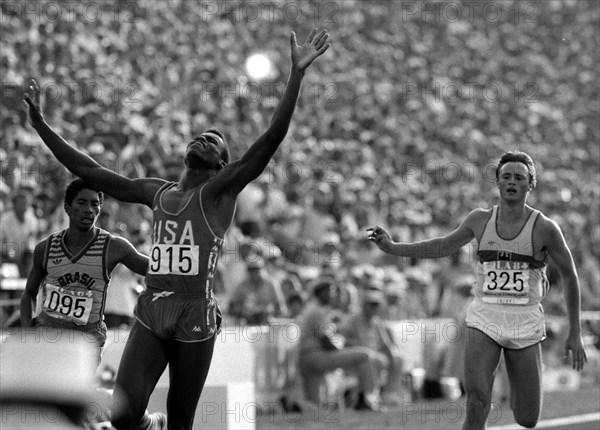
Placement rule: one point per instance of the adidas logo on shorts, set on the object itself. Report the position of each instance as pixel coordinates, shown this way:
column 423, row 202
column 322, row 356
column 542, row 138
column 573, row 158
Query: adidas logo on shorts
column 196, row 329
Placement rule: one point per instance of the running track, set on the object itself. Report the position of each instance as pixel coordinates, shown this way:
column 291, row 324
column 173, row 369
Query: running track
column 578, row 422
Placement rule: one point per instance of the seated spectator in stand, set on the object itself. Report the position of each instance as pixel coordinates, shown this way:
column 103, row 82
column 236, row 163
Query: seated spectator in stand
column 295, row 305
column 394, row 288
column 19, row 231
column 367, row 329
column 320, row 351
column 261, row 202
column 291, row 398
column 257, row 297
column 455, row 281
column 291, row 286
column 346, row 300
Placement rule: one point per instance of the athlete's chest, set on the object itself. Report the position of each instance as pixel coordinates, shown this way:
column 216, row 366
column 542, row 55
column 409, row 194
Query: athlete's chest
column 516, row 237
column 173, row 201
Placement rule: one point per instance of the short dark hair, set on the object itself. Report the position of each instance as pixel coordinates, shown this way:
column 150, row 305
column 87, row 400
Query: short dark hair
column 75, row 186
column 321, row 286
column 295, row 297
column 225, row 155
column 519, row 157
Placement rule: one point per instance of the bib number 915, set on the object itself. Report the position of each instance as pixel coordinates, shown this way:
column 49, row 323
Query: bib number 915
column 173, row 259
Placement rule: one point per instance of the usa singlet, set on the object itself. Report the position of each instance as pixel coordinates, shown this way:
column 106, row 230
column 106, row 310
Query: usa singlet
column 74, row 289
column 184, row 252
column 179, row 302
column 510, row 286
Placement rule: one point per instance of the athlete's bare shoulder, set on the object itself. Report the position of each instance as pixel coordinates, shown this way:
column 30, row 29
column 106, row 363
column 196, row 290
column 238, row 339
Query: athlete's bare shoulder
column 147, row 189
column 476, row 220
column 546, row 227
column 478, row 216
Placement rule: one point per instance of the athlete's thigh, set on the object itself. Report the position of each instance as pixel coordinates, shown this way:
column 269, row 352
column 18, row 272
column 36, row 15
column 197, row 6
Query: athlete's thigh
column 481, row 360
column 189, row 363
column 524, row 369
column 142, row 363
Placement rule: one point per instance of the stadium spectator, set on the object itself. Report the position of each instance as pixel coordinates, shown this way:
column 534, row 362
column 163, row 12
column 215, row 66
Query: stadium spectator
column 258, row 297
column 366, row 329
column 261, row 202
column 295, row 305
column 320, row 351
column 455, row 281
column 19, row 231
column 394, row 289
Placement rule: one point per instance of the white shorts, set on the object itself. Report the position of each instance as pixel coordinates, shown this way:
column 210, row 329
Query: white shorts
column 513, row 327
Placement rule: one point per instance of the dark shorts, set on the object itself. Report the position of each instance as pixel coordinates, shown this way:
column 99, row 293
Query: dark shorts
column 178, row 316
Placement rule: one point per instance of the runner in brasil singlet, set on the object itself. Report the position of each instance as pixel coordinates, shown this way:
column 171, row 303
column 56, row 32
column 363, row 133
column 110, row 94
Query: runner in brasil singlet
column 510, row 286
column 74, row 289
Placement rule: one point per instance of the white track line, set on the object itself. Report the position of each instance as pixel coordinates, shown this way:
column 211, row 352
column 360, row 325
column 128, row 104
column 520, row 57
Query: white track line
column 555, row 422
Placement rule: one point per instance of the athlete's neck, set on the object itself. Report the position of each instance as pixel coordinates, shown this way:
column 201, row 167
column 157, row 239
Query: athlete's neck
column 77, row 238
column 194, row 178
column 509, row 212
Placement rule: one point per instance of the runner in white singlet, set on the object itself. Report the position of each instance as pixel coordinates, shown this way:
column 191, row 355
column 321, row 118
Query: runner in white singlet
column 515, row 242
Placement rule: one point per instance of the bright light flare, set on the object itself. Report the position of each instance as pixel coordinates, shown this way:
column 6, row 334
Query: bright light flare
column 260, row 67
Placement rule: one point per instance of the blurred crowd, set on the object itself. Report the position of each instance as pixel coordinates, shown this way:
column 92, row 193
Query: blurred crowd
column 400, row 125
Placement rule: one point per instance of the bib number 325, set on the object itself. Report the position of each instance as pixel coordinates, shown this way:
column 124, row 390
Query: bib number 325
column 506, row 286
column 505, row 281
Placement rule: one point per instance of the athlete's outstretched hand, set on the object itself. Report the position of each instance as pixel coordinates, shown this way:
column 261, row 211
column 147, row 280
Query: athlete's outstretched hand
column 32, row 101
column 575, row 345
column 315, row 45
column 380, row 237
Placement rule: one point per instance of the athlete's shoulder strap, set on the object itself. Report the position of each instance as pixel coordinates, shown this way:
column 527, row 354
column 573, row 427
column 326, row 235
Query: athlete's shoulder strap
column 159, row 193
column 204, row 213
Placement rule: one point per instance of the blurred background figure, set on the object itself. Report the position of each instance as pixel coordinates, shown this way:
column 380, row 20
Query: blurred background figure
column 295, row 305
column 256, row 298
column 320, row 351
column 366, row 329
column 394, row 288
column 19, row 232
column 454, row 280
column 261, row 202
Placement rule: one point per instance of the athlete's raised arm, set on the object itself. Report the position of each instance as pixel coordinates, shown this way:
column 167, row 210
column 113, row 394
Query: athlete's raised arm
column 85, row 167
column 240, row 173
column 438, row 247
